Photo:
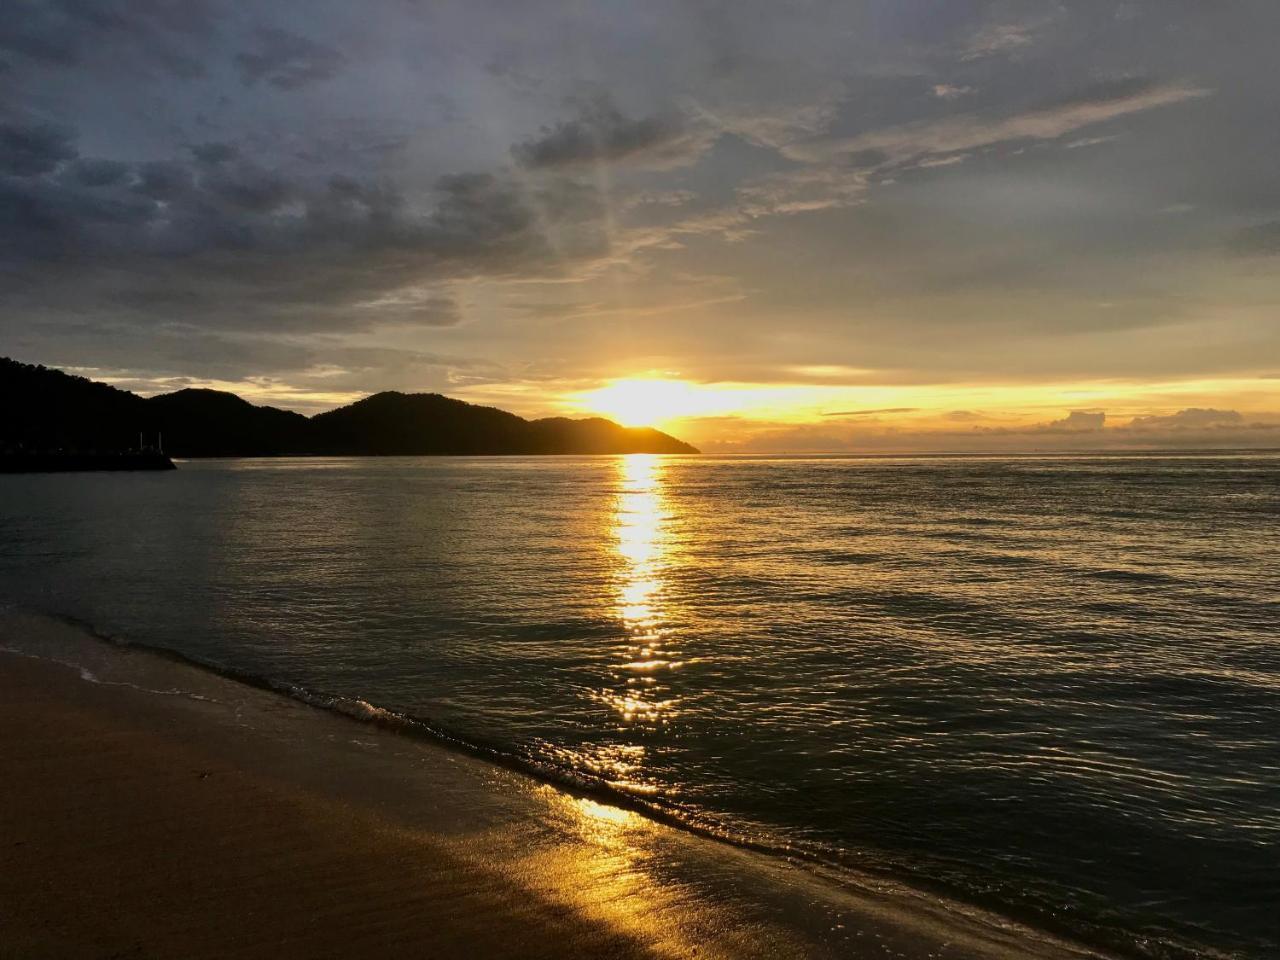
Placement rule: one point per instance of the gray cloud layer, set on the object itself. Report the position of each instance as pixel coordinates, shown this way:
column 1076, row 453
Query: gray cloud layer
column 601, row 134
column 287, row 60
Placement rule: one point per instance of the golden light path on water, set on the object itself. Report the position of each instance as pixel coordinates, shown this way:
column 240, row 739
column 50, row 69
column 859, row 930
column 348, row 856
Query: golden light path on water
column 643, row 544
column 620, row 872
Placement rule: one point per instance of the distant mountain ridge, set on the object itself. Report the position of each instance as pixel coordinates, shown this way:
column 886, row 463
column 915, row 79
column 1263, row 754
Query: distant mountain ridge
column 47, row 410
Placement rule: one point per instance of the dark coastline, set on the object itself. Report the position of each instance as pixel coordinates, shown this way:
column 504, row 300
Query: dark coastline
column 61, row 412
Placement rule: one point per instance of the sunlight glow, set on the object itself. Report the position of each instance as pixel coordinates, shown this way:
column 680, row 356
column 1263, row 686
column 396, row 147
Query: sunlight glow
column 926, row 415
column 646, row 402
column 642, row 403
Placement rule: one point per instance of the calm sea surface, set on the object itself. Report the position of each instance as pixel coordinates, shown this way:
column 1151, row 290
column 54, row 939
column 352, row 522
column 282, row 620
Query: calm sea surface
column 1049, row 686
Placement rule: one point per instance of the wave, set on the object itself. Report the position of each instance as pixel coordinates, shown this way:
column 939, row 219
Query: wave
column 857, row 869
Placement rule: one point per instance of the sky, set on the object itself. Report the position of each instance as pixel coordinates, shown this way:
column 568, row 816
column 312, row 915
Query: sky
column 874, row 225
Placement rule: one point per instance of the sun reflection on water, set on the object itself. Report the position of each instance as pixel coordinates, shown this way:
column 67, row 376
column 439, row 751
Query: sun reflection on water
column 643, row 546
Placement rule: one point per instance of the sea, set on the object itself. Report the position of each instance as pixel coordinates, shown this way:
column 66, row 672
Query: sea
column 1048, row 686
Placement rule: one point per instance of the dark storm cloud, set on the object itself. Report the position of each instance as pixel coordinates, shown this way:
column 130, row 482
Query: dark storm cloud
column 287, row 60
column 603, row 134
column 27, row 150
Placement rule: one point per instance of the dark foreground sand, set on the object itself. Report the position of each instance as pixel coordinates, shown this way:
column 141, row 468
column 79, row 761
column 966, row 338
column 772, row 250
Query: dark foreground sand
column 143, row 819
column 123, row 837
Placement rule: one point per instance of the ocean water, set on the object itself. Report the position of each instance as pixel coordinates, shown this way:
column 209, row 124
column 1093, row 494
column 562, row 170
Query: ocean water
column 1046, row 686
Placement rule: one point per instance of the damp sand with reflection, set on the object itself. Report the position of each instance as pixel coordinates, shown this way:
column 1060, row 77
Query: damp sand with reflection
column 185, row 798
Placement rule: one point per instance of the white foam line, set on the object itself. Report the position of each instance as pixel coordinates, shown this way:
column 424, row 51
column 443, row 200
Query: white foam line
column 89, row 676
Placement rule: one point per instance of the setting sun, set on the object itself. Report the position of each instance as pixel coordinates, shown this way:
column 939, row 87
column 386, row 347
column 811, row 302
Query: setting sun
column 643, row 403
column 647, row 402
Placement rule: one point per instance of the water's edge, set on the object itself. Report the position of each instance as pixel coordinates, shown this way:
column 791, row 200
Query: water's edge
column 866, row 882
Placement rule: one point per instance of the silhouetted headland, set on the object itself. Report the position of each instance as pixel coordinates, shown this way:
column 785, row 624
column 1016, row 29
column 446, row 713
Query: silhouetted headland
column 53, row 415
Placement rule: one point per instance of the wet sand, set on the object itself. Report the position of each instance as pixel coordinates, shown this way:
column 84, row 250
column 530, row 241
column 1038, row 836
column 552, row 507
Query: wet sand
column 151, row 809
column 123, row 837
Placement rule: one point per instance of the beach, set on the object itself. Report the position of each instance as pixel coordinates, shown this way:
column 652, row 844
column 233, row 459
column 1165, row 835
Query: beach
column 154, row 809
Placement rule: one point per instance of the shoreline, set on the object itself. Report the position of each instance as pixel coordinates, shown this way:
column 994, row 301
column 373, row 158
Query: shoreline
column 578, row 871
column 577, row 785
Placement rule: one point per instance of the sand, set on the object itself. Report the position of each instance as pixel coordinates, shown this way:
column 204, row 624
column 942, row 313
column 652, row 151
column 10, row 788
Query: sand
column 149, row 809
column 124, row 838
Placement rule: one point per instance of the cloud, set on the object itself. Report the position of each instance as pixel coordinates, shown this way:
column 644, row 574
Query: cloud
column 418, row 307
column 871, row 413
column 973, row 131
column 95, row 172
column 214, row 152
column 27, row 150
column 951, row 91
column 1080, row 431
column 178, row 354
column 164, row 180
column 288, row 61
column 817, row 187
column 1260, row 240
column 998, row 38
column 145, row 33
column 726, row 139
column 1193, row 418
column 249, row 187
column 602, row 134
column 836, row 172
column 236, row 244
column 1077, row 421
column 1088, row 142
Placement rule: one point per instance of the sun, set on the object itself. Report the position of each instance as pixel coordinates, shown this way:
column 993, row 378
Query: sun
column 658, row 401
column 645, row 402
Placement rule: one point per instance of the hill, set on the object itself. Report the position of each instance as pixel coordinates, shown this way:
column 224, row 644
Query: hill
column 214, row 423
column 47, row 410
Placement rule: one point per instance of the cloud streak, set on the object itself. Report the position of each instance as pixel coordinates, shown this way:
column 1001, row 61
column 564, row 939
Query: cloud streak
column 972, row 131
